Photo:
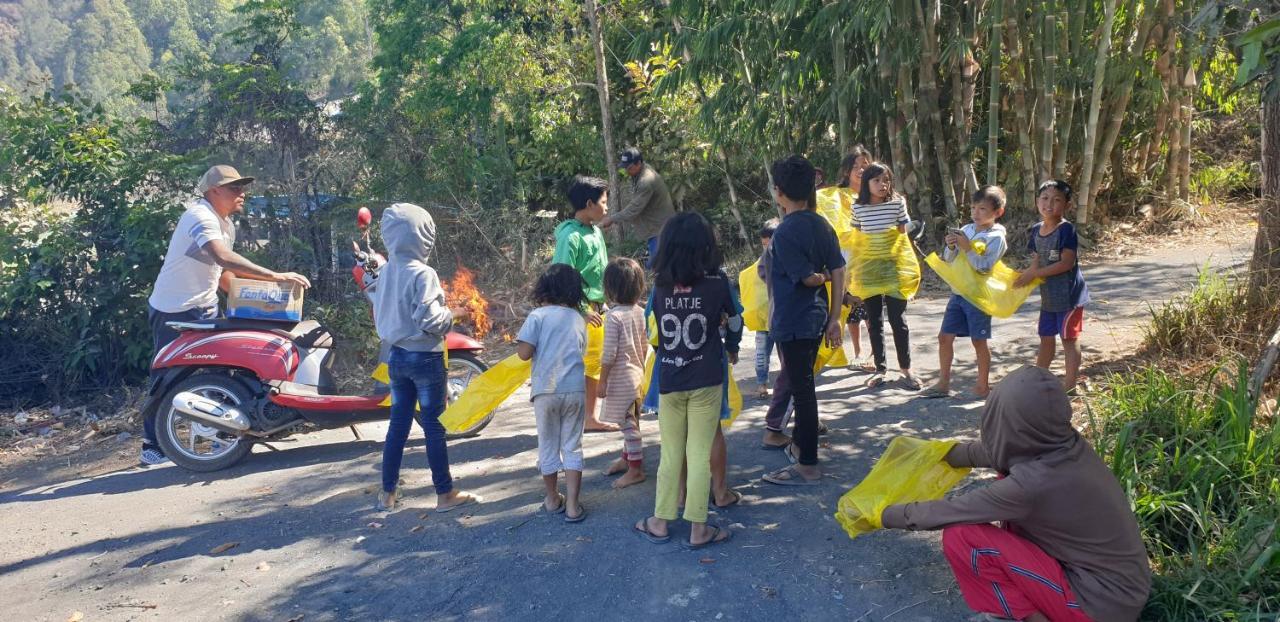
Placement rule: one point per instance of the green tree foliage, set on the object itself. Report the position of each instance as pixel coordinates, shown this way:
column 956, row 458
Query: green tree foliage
column 84, row 220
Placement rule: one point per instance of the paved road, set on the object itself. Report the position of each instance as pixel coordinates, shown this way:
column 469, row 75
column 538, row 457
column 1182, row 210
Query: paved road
column 136, row 544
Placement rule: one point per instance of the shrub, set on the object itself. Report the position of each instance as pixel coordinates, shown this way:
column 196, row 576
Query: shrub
column 1203, row 475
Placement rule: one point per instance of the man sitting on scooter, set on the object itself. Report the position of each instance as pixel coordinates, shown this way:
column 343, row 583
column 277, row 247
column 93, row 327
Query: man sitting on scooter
column 198, row 263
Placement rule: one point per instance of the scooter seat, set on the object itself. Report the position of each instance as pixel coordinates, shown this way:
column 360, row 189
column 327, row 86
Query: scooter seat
column 304, row 334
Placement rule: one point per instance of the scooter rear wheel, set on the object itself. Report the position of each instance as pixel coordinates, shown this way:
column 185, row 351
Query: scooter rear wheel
column 465, row 367
column 194, row 446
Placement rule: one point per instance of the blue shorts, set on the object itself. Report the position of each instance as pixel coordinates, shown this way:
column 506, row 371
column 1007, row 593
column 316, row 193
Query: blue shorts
column 963, row 319
column 1067, row 324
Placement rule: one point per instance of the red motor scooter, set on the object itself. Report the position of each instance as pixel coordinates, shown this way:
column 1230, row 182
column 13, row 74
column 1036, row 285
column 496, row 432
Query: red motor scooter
column 226, row 383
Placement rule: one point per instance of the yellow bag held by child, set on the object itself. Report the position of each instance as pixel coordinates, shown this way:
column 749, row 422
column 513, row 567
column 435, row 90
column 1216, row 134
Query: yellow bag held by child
column 909, row 470
column 735, row 397
column 595, row 350
column 993, row 292
column 486, row 392
column 882, row 263
column 835, row 204
column 382, row 374
column 755, row 298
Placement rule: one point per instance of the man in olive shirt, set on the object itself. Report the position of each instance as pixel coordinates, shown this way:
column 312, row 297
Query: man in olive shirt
column 648, row 205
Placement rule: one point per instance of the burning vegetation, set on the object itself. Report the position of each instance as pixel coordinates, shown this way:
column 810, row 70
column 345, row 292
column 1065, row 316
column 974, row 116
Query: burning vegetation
column 461, row 293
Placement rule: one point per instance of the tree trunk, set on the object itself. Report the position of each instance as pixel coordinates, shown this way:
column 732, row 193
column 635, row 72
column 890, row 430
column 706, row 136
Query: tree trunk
column 964, row 84
column 892, row 118
column 841, row 78
column 915, row 181
column 1117, row 112
column 1266, row 247
column 993, row 101
column 733, row 197
column 602, row 89
column 1095, row 103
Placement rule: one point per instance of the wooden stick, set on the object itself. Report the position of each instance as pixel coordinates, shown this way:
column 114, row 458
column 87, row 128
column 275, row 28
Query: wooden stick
column 1268, row 360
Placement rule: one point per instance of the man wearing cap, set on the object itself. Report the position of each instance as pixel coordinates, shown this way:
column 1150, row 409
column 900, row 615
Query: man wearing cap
column 198, row 263
column 648, row 206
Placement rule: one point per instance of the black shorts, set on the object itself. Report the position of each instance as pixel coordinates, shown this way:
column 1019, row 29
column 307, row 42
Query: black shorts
column 856, row 314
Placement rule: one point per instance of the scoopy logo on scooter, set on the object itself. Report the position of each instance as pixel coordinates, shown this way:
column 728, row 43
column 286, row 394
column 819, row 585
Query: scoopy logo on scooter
column 199, row 357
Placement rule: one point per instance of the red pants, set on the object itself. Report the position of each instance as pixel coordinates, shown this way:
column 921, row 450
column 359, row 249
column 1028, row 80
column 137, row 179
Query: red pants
column 1005, row 575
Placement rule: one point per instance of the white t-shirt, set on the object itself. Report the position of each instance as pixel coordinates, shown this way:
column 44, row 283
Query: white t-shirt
column 189, row 277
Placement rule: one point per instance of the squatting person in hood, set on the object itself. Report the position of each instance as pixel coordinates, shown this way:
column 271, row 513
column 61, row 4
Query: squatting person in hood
column 1069, row 546
column 410, row 313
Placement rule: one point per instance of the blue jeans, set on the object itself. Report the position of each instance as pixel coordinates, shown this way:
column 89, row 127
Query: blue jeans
column 416, row 377
column 764, row 350
column 161, row 336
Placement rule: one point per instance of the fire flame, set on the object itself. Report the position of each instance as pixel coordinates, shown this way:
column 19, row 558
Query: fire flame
column 461, row 293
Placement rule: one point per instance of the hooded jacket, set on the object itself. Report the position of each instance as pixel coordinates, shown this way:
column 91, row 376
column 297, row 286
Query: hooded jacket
column 1057, row 493
column 409, row 306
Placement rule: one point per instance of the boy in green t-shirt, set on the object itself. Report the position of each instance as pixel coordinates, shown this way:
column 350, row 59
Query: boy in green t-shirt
column 580, row 243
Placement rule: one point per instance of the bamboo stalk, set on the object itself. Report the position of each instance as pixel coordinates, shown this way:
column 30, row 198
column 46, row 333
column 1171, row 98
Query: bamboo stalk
column 1116, row 114
column 929, row 84
column 964, row 87
column 1023, row 117
column 602, row 90
column 1095, row 103
column 1047, row 104
column 993, row 100
column 841, row 78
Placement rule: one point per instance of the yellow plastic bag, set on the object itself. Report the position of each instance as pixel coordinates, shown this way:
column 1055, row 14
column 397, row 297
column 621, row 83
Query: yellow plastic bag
column 910, row 469
column 882, row 263
column 993, row 293
column 383, row 375
column 836, row 205
column 755, row 298
column 595, row 349
column 486, row 392
column 735, row 398
column 648, row 373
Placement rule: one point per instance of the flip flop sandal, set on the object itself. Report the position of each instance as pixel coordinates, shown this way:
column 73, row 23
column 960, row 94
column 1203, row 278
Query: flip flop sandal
column 775, row 447
column 823, row 430
column 470, row 499
column 643, row 530
column 715, row 539
column 582, row 515
column 794, row 478
column 910, row 383
column 933, row 394
column 876, row 381
column 789, row 452
column 737, row 498
column 558, row 510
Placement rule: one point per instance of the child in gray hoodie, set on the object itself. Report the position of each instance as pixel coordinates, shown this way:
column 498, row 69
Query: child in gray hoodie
column 411, row 316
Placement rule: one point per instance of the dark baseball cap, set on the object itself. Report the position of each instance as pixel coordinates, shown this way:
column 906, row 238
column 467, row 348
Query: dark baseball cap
column 630, row 156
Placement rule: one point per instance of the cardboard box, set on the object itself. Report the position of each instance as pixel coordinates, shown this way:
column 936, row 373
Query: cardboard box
column 264, row 300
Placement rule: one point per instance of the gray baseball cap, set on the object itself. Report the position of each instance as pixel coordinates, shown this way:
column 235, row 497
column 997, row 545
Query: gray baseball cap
column 220, row 175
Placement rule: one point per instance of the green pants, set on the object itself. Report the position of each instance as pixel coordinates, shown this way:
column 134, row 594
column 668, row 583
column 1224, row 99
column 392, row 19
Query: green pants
column 687, row 423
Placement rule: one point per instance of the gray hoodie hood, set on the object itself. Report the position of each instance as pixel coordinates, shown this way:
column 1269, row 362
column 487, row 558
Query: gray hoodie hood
column 409, row 307
column 409, row 232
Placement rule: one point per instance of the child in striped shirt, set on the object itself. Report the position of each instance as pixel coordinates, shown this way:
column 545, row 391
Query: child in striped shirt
column 622, row 365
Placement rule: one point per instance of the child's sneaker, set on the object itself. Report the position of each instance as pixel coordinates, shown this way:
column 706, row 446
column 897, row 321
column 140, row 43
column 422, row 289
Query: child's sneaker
column 152, row 456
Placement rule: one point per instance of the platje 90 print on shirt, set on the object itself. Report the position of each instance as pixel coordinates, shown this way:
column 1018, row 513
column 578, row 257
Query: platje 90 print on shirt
column 682, row 338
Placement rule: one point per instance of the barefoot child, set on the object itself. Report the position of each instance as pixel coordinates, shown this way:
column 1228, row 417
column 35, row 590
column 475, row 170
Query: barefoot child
column 580, row 243
column 555, row 337
column 691, row 299
column 983, row 243
column 1054, row 248
column 1069, row 547
column 410, row 314
column 879, row 209
column 622, row 365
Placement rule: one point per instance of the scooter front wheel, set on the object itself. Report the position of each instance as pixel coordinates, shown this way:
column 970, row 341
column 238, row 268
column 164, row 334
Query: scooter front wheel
column 464, row 367
column 195, row 446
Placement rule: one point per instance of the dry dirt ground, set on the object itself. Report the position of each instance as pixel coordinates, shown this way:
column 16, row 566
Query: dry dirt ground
column 87, row 534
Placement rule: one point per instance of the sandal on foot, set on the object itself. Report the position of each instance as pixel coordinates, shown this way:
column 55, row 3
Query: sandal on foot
column 790, row 453
column 792, row 478
column 559, row 509
column 737, row 498
column 910, row 383
column 823, row 430
column 773, row 447
column 935, row 393
column 715, row 539
column 464, row 498
column 582, row 515
column 642, row 528
column 876, row 380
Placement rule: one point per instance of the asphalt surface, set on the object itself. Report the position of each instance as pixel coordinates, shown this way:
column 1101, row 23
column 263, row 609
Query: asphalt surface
column 139, row 544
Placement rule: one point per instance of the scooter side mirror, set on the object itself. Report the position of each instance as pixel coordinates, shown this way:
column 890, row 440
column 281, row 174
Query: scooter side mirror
column 363, row 218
